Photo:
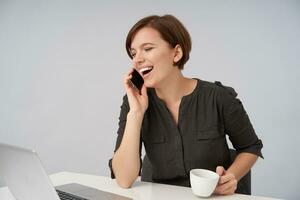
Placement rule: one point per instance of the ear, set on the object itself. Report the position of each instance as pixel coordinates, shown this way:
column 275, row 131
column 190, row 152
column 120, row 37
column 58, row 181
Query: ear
column 178, row 53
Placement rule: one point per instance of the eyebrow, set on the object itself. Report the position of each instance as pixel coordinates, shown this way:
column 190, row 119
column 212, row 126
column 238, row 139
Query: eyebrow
column 144, row 44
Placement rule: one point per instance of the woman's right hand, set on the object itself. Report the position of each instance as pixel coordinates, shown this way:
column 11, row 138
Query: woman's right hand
column 138, row 102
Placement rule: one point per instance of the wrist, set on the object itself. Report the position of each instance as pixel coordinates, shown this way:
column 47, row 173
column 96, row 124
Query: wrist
column 135, row 115
column 232, row 173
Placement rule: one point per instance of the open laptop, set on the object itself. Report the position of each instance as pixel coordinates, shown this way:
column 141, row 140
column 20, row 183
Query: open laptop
column 26, row 178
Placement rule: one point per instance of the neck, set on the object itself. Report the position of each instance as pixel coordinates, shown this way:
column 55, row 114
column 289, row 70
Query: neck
column 171, row 90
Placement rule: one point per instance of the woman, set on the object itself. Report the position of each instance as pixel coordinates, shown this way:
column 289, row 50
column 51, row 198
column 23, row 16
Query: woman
column 181, row 121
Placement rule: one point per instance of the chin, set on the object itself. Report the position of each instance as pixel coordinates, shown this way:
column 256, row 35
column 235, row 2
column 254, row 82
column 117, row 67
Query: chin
column 150, row 84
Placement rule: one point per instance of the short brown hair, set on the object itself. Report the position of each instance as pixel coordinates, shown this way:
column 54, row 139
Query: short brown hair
column 170, row 29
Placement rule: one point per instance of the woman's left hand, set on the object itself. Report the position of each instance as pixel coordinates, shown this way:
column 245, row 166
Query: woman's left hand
column 227, row 182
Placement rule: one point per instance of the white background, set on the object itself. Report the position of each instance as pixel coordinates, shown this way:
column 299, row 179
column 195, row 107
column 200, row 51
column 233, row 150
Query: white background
column 62, row 64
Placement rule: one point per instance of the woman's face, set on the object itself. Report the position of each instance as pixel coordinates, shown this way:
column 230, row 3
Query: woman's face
column 152, row 56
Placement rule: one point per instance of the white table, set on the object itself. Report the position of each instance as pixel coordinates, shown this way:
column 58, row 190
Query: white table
column 139, row 191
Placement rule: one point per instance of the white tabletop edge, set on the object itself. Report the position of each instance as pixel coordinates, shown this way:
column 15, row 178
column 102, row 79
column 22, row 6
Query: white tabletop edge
column 139, row 190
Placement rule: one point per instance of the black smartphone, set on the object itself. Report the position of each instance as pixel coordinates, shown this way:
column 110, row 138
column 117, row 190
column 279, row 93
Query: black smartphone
column 137, row 80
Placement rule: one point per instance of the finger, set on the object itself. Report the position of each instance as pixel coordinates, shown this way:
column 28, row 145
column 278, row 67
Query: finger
column 220, row 170
column 127, row 75
column 224, row 188
column 229, row 191
column 223, row 192
column 127, row 81
column 225, row 178
column 127, row 78
column 130, row 71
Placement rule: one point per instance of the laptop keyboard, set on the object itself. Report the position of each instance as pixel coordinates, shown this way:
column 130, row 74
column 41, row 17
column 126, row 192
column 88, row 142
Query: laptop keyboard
column 67, row 196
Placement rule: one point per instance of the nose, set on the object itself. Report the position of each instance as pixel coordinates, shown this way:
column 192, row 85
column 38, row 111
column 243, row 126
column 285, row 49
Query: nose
column 138, row 58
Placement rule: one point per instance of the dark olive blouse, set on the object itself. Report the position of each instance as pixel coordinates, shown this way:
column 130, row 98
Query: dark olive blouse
column 206, row 116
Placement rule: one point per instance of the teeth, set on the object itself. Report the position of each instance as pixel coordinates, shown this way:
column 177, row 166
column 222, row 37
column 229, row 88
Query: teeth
column 145, row 69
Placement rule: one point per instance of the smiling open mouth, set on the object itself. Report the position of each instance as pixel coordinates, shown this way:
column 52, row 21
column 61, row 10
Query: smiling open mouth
column 146, row 70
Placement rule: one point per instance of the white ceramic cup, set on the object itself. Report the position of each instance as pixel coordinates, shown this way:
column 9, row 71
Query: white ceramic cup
column 203, row 182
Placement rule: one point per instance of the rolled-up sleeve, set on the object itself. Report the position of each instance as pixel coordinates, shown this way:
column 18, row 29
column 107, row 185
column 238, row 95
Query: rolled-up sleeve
column 122, row 123
column 237, row 124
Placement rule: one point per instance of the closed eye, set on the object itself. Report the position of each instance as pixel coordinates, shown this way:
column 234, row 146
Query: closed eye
column 148, row 49
column 132, row 53
column 145, row 49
